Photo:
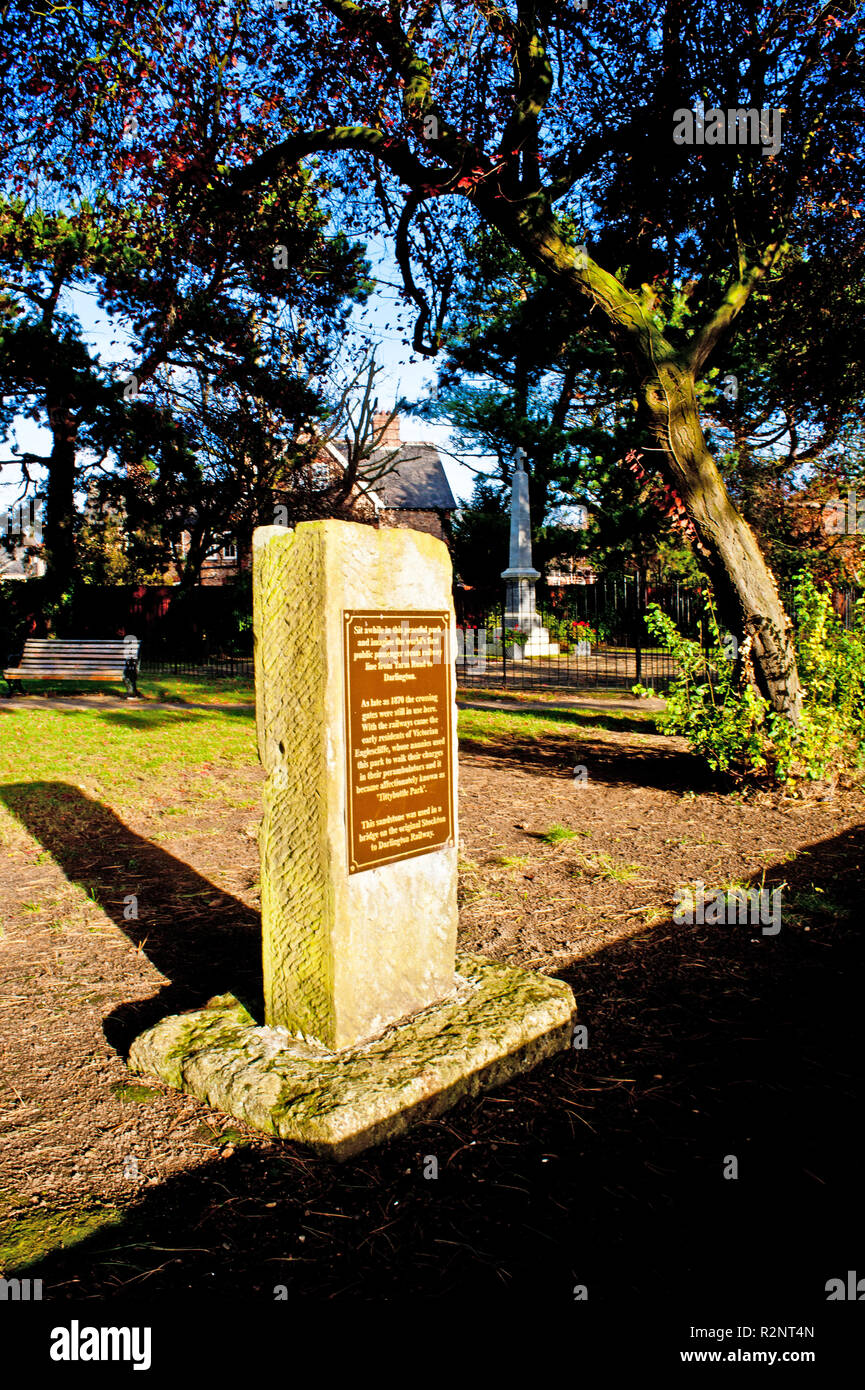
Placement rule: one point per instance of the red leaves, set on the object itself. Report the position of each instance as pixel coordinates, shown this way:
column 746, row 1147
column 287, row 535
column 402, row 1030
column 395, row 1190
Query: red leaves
column 473, row 178
column 665, row 497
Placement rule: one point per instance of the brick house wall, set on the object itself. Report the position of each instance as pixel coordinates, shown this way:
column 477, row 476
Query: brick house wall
column 430, row 522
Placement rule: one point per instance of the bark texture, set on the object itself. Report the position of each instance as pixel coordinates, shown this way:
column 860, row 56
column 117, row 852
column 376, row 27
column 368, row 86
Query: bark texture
column 745, row 587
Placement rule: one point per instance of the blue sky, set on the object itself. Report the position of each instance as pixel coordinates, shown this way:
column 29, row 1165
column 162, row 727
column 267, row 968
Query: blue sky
column 385, row 322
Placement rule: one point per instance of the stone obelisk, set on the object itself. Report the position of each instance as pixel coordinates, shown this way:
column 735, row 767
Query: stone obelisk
column 520, row 577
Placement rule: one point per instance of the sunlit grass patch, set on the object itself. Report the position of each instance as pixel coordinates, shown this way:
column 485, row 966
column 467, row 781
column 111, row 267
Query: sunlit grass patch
column 512, row 861
column 557, row 834
column 494, row 725
column 604, row 866
column 133, row 1094
column 203, row 689
column 198, row 690
column 140, row 751
column 168, row 771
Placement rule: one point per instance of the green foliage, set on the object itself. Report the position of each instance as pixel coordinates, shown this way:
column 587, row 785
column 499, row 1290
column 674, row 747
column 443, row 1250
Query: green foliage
column 557, row 834
column 832, row 669
column 479, row 534
column 714, row 703
column 709, row 703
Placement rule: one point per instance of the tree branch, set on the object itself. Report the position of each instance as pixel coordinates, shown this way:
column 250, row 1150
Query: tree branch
column 393, row 152
column 707, row 337
column 533, row 82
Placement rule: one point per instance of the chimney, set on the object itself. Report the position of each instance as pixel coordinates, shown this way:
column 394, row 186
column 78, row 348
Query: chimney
column 390, row 439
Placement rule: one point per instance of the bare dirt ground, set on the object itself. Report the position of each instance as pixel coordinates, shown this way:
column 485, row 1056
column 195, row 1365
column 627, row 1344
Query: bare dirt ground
column 604, row 1167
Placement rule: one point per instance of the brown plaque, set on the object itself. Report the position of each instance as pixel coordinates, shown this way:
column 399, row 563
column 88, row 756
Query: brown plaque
column 398, row 730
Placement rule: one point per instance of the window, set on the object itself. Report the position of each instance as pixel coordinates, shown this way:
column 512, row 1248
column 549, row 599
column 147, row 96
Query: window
column 229, row 551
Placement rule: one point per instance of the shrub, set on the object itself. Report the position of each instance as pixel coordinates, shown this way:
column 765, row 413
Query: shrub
column 714, row 703
column 719, row 713
column 831, row 662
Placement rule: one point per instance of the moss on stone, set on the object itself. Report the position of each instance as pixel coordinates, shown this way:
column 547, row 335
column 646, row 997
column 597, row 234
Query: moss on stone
column 498, row 1022
column 27, row 1237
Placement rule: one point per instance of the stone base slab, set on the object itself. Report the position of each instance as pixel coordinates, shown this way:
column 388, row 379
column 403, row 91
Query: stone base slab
column 499, row 1021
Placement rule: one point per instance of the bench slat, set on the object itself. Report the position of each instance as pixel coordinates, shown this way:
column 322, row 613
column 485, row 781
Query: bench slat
column 56, row 659
column 70, row 656
column 54, row 649
column 72, row 651
column 69, row 660
column 49, row 665
column 52, row 643
column 59, row 670
column 67, row 665
column 68, row 640
column 76, row 641
column 27, row 674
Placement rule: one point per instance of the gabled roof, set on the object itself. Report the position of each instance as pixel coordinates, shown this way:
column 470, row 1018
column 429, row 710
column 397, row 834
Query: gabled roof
column 415, row 482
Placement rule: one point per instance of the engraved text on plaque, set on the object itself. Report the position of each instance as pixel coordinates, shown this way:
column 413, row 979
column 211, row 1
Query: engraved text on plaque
column 398, row 728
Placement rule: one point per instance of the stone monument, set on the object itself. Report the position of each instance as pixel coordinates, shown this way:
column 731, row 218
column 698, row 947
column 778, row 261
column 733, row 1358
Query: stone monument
column 520, row 577
column 372, row 1023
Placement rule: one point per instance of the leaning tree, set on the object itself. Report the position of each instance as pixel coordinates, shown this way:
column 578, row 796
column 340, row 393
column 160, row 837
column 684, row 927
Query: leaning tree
column 556, row 122
column 556, row 126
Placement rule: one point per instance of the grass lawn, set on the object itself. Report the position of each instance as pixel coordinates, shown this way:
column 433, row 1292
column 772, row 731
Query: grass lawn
column 136, row 754
column 492, row 725
column 133, row 756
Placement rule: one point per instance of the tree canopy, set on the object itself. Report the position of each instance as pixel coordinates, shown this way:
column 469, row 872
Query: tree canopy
column 556, row 125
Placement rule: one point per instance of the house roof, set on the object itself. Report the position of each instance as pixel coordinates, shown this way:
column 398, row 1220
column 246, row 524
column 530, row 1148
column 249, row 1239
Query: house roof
column 417, row 482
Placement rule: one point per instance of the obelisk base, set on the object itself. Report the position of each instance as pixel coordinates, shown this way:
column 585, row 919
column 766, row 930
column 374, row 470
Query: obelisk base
column 521, row 615
column 499, row 1021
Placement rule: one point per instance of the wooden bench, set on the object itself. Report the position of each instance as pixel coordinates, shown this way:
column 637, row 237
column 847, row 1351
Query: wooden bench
column 53, row 659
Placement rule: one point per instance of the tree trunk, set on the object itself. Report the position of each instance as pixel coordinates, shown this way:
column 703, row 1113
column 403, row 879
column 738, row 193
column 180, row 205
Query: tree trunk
column 59, row 544
column 746, row 592
column 745, row 589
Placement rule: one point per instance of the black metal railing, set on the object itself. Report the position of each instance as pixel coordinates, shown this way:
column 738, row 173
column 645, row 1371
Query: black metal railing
column 211, row 667
column 599, row 631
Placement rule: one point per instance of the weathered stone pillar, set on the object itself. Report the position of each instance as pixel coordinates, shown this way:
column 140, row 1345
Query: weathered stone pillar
column 371, row 1023
column 520, row 577
column 348, row 946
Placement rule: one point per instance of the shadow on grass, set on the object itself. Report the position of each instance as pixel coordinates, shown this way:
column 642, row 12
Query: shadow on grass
column 203, row 949
column 139, row 717
column 152, row 718
column 604, row 1167
column 621, row 723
